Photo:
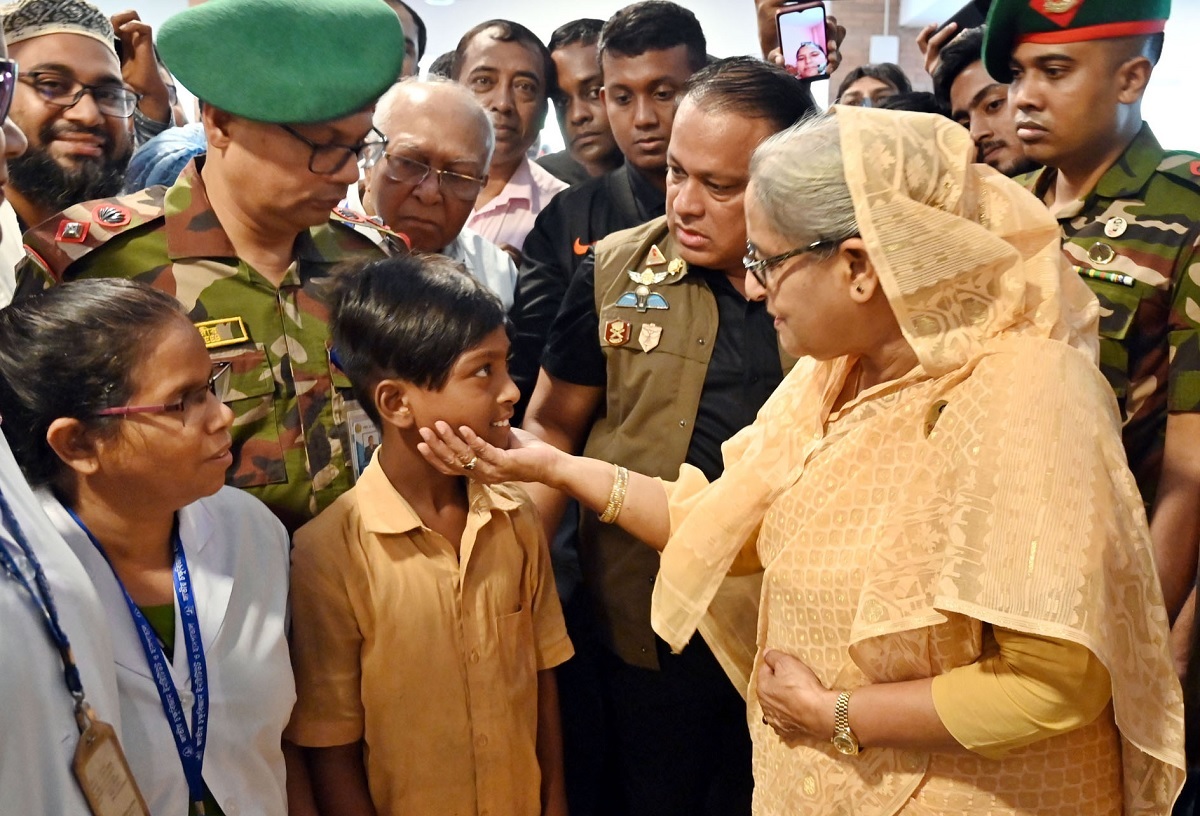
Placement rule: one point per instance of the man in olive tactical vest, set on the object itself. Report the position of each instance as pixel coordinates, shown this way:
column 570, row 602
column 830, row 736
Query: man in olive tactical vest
column 655, row 359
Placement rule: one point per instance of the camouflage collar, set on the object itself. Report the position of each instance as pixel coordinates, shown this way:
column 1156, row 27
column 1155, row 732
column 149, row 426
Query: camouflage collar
column 1128, row 176
column 193, row 230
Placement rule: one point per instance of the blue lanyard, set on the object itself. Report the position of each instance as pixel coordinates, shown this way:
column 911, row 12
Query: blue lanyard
column 188, row 742
column 40, row 592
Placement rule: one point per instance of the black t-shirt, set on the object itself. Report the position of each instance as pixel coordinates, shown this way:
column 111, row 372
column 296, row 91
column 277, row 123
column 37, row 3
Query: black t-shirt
column 744, row 369
column 559, row 241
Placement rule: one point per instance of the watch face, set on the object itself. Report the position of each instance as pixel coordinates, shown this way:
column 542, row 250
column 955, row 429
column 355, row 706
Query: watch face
column 845, row 743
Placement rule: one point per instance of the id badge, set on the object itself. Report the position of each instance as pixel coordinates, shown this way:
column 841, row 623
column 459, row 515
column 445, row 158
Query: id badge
column 364, row 437
column 103, row 773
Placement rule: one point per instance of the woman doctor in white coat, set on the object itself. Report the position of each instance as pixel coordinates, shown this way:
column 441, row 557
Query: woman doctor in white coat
column 109, row 400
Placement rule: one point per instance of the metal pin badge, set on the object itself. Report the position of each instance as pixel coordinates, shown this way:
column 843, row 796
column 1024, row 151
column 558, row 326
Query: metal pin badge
column 1101, row 253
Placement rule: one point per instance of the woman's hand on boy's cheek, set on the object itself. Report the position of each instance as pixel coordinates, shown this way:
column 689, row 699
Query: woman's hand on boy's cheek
column 464, row 453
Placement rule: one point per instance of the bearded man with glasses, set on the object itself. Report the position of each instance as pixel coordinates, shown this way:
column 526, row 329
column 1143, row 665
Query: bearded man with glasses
column 439, row 146
column 247, row 237
column 89, row 93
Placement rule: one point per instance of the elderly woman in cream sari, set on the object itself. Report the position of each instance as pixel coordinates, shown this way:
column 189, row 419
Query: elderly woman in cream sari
column 946, row 602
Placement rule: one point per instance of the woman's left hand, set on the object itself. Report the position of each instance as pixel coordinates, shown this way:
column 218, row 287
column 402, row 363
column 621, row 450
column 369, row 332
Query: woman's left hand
column 794, row 702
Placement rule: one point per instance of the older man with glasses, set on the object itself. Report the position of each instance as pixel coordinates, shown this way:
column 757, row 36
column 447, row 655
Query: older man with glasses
column 244, row 238
column 439, row 147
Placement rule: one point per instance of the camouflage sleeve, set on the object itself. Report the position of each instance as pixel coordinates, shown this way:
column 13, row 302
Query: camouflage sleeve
column 1183, row 384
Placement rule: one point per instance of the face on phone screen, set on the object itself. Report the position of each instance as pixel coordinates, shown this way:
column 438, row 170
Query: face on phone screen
column 802, row 39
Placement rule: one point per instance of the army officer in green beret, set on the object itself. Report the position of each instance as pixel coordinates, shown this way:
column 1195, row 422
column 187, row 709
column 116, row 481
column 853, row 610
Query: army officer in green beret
column 246, row 236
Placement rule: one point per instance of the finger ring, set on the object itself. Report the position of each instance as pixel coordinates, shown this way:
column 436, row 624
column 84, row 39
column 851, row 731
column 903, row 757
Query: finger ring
column 471, row 464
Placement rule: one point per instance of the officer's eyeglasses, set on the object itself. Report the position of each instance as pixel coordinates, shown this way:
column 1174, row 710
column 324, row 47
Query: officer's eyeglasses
column 64, row 92
column 189, row 403
column 8, row 84
column 411, row 172
column 327, row 159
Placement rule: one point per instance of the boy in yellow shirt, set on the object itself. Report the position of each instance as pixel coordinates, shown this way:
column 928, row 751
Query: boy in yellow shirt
column 425, row 621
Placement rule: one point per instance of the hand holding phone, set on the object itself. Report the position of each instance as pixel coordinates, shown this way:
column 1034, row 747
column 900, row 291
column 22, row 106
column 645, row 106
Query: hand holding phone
column 803, row 41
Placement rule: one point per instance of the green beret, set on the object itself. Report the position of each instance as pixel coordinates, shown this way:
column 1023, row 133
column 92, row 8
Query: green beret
column 1013, row 22
column 285, row 61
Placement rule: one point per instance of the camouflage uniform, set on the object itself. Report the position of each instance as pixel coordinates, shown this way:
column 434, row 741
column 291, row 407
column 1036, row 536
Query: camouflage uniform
column 290, row 436
column 1136, row 240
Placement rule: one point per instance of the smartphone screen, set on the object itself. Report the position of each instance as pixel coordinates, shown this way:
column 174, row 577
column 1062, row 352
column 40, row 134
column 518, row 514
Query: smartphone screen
column 802, row 40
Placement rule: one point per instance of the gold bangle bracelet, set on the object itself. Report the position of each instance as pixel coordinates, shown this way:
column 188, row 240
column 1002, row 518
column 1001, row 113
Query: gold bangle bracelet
column 616, row 498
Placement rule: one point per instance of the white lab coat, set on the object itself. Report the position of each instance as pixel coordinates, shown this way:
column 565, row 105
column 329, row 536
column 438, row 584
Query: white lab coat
column 237, row 556
column 38, row 733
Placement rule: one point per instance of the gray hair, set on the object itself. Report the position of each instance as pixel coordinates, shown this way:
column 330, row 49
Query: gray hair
column 400, row 98
column 798, row 180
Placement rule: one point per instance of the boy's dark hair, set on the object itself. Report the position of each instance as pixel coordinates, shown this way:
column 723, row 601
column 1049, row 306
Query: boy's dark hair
column 956, row 57
column 442, row 66
column 69, row 352
column 654, row 25
column 888, row 72
column 408, row 317
column 916, row 102
column 752, row 88
column 585, row 31
column 507, row 31
column 422, row 33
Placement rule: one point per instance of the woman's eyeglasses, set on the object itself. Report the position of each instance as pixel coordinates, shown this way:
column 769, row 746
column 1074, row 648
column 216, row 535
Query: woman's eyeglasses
column 762, row 268
column 217, row 386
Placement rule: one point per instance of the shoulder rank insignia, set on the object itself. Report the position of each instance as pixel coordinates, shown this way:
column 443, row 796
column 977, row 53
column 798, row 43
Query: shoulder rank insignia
column 111, row 215
column 225, row 331
column 367, row 225
column 642, row 299
column 71, row 232
column 347, row 214
column 616, row 332
column 655, row 256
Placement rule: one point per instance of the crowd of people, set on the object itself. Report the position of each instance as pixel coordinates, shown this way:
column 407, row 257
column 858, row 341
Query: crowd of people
column 742, row 457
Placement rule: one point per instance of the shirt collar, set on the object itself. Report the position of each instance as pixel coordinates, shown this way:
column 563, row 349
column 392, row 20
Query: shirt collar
column 651, row 201
column 519, row 188
column 193, row 229
column 385, row 512
column 1132, row 171
column 1127, row 177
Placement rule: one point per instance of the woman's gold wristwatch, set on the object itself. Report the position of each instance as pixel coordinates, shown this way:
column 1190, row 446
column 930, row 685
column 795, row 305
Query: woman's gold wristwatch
column 843, row 738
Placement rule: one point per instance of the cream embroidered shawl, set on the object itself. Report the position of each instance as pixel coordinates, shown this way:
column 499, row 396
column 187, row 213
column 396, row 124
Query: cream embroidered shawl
column 971, row 265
